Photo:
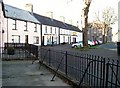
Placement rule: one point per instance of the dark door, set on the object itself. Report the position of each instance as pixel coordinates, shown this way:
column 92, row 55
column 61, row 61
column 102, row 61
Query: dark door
column 42, row 43
column 74, row 40
column 26, row 39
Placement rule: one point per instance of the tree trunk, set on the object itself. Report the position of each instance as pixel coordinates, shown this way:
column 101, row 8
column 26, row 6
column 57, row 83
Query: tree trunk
column 85, row 34
column 85, row 17
column 85, row 30
column 104, row 33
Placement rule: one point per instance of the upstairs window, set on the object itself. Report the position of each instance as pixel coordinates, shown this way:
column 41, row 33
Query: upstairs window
column 45, row 29
column 25, row 26
column 50, row 29
column 14, row 24
column 35, row 28
column 55, row 31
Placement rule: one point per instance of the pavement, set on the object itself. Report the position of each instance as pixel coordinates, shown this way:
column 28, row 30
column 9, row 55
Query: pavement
column 24, row 73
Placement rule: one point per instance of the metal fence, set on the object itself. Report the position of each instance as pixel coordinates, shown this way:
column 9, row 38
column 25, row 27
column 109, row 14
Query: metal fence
column 84, row 69
column 19, row 51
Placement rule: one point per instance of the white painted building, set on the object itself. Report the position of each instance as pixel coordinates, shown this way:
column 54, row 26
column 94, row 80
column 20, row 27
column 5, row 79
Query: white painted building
column 57, row 32
column 21, row 26
column 1, row 23
column 119, row 21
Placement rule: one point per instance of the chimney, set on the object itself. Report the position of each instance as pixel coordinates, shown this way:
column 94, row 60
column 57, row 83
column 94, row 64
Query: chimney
column 49, row 14
column 70, row 21
column 62, row 18
column 29, row 7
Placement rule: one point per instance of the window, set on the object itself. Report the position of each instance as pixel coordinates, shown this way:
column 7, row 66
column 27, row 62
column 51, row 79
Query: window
column 45, row 29
column 15, row 38
column 50, row 29
column 35, row 28
column 55, row 30
column 14, row 24
column 25, row 26
column 36, row 40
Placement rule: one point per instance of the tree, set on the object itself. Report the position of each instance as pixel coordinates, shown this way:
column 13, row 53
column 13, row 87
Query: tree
column 85, row 21
column 108, row 18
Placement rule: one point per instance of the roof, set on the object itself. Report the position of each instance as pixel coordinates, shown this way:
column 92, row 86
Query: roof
column 19, row 14
column 52, row 22
column 1, row 2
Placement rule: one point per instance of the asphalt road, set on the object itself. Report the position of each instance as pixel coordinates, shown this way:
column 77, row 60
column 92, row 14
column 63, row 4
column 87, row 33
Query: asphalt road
column 107, row 51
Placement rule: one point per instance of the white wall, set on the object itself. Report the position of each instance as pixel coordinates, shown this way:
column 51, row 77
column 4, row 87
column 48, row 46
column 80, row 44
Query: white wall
column 49, row 35
column 119, row 21
column 1, row 26
column 77, row 35
column 115, row 32
column 20, row 27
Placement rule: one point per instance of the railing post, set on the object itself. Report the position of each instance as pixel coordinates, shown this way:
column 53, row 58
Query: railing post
column 49, row 57
column 66, row 63
column 107, row 74
column 118, row 66
column 103, row 71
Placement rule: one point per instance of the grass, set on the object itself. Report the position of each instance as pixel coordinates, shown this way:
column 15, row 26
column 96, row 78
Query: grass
column 86, row 49
column 94, row 47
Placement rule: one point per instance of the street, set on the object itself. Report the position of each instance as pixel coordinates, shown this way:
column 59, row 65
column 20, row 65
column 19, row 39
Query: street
column 104, row 50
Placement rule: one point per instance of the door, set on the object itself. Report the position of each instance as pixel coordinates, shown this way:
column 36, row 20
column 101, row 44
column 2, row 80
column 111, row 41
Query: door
column 26, row 39
column 74, row 40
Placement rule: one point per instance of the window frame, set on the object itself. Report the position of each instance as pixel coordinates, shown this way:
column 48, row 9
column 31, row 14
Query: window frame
column 15, row 24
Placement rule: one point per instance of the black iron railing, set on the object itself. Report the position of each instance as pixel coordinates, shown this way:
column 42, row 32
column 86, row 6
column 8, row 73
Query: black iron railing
column 84, row 69
column 19, row 51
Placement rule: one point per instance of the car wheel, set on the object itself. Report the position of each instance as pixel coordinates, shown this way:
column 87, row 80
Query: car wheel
column 75, row 46
column 80, row 45
column 89, row 45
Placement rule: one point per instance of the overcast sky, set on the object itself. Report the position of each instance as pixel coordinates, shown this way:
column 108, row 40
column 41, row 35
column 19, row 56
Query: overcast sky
column 67, row 8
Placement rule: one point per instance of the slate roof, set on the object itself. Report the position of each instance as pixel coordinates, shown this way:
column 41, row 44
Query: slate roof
column 52, row 22
column 19, row 14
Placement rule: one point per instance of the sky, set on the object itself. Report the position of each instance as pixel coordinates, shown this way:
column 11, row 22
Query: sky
column 70, row 9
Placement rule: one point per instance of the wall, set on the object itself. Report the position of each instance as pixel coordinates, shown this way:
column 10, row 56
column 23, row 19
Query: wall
column 50, row 36
column 119, row 21
column 1, row 25
column 21, row 31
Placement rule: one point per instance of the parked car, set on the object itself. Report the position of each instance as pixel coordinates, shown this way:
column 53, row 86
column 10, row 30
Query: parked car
column 99, row 42
column 80, row 44
column 95, row 42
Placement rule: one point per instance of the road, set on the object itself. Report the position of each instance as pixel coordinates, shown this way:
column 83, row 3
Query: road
column 109, row 46
column 105, row 50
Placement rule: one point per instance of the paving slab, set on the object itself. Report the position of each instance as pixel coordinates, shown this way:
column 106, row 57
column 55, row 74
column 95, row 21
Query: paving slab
column 24, row 73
